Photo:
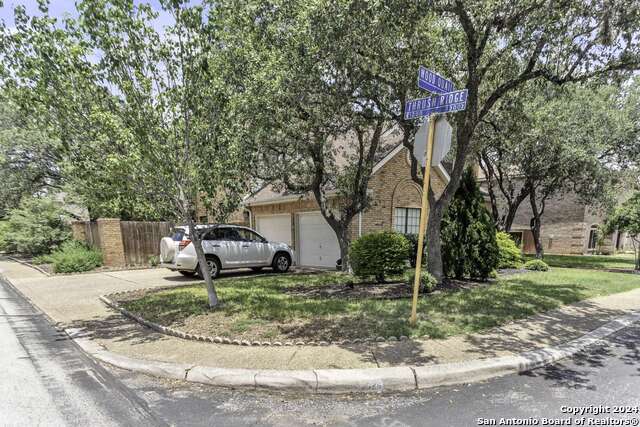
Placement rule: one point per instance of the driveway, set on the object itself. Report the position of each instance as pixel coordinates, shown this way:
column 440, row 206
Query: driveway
column 71, row 298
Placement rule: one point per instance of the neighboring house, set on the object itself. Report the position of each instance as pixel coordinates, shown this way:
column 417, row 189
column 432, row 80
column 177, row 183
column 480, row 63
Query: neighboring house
column 296, row 219
column 568, row 227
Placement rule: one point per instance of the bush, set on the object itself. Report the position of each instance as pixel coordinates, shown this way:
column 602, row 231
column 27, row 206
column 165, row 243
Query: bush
column 379, row 255
column 536, row 265
column 38, row 226
column 5, row 244
column 413, row 241
column 469, row 247
column 509, row 253
column 427, row 282
column 72, row 257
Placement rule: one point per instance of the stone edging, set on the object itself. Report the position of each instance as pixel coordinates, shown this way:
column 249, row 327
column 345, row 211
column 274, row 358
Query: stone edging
column 107, row 299
column 371, row 380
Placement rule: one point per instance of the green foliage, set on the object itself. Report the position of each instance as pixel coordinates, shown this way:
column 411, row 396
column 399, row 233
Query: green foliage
column 153, row 261
column 37, row 226
column 73, row 257
column 379, row 254
column 536, row 265
column 510, row 255
column 626, row 218
column 469, row 247
column 5, row 244
column 427, row 282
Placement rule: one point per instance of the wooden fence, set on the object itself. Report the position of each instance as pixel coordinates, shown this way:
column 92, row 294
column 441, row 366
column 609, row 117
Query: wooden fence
column 141, row 240
column 123, row 242
column 92, row 235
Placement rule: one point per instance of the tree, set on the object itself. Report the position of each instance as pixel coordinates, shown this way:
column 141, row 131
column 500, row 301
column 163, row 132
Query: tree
column 626, row 218
column 489, row 48
column 160, row 92
column 596, row 120
column 29, row 160
column 37, row 226
column 469, row 245
column 309, row 104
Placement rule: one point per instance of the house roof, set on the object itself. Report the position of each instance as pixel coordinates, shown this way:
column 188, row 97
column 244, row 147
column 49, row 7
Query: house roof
column 270, row 194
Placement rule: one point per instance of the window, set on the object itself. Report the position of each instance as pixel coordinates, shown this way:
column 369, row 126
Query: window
column 406, row 220
column 249, row 236
column 178, row 234
column 517, row 237
column 593, row 237
column 203, row 219
column 224, row 233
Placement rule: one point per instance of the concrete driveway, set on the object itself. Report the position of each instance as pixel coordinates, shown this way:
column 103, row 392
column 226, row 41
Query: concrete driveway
column 71, row 298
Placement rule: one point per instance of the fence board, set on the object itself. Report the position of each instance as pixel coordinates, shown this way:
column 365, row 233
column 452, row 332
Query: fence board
column 141, row 240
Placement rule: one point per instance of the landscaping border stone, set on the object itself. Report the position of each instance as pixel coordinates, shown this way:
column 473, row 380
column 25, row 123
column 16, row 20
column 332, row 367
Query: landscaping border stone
column 110, row 302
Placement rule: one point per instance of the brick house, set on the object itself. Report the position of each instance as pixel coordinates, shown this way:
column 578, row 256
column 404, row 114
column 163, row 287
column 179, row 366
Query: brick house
column 568, row 227
column 295, row 218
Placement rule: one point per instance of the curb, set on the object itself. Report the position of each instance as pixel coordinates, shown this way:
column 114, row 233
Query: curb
column 373, row 380
column 28, row 264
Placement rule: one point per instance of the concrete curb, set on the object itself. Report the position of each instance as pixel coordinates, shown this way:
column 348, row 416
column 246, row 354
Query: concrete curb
column 374, row 380
column 28, row 264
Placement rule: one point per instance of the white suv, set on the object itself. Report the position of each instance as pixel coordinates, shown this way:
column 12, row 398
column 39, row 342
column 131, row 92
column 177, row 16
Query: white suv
column 225, row 247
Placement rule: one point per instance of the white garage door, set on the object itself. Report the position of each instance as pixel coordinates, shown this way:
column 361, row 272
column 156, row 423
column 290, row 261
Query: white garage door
column 275, row 228
column 318, row 244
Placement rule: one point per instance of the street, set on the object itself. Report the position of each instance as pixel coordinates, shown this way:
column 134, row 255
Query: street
column 48, row 381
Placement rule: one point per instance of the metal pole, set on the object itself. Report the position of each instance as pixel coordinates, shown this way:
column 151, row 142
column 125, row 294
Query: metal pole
column 424, row 214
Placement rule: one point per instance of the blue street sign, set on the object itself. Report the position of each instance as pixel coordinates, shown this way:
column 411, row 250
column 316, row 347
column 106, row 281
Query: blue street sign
column 445, row 103
column 433, row 82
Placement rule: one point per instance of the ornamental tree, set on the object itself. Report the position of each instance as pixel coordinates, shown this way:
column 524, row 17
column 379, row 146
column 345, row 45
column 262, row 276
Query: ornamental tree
column 114, row 76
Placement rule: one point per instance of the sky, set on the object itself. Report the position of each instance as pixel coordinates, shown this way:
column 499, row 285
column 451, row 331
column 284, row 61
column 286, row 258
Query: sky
column 61, row 8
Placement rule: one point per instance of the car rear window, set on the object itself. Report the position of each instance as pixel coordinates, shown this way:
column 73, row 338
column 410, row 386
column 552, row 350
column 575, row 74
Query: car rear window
column 178, row 235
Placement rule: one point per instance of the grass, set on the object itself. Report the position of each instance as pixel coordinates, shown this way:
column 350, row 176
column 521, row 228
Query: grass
column 621, row 261
column 259, row 307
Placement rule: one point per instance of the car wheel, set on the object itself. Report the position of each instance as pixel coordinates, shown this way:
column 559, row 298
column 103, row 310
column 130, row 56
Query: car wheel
column 281, row 263
column 256, row 269
column 213, row 266
column 188, row 273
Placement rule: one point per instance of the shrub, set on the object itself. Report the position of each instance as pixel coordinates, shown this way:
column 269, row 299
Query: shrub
column 427, row 282
column 73, row 256
column 154, row 261
column 379, row 255
column 413, row 241
column 536, row 265
column 5, row 244
column 509, row 253
column 36, row 227
column 469, row 247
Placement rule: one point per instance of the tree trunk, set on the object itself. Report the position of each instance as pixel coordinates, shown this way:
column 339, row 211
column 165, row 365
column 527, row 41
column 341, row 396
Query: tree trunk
column 202, row 264
column 434, row 242
column 535, row 225
column 636, row 251
column 343, row 241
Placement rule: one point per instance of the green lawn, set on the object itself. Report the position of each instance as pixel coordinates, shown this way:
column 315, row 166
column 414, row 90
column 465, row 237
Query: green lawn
column 260, row 308
column 624, row 261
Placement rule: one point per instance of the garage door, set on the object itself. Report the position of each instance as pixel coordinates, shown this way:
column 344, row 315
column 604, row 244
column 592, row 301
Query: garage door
column 317, row 241
column 275, row 228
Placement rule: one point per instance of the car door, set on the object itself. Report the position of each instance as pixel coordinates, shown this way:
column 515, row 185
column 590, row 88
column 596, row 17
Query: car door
column 255, row 248
column 234, row 254
column 215, row 243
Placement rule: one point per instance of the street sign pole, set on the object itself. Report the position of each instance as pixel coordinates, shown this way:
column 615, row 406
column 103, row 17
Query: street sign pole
column 424, row 214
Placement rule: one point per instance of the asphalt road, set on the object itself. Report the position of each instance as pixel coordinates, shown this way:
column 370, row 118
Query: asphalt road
column 46, row 380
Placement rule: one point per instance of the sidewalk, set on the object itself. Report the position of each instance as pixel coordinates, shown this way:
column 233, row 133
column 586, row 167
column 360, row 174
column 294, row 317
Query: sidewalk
column 72, row 301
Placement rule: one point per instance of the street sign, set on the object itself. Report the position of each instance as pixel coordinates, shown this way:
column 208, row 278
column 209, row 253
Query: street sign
column 445, row 103
column 433, row 82
column 420, row 143
column 442, row 141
